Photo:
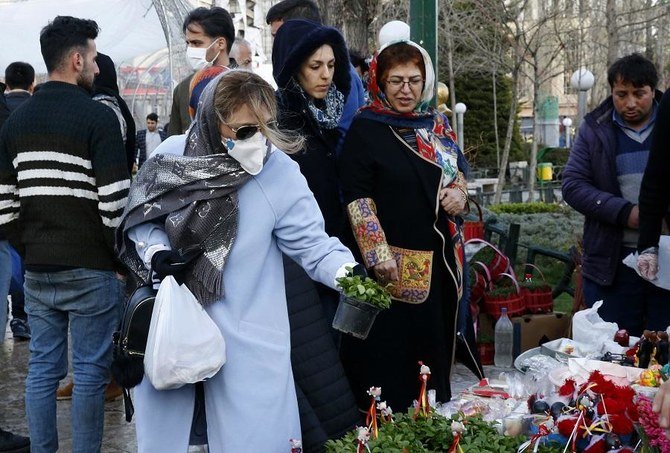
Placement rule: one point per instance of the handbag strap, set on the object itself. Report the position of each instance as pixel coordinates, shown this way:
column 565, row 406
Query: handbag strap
column 479, row 208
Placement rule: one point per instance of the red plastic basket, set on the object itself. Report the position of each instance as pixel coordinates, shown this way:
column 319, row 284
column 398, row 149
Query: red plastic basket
column 538, row 300
column 515, row 304
column 474, row 229
column 499, row 263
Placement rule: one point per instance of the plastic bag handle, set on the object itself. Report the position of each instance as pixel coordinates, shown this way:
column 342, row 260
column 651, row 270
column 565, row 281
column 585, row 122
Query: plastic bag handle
column 482, row 241
column 487, row 272
column 516, row 284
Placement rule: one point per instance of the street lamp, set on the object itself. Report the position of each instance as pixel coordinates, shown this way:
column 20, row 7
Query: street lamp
column 567, row 122
column 581, row 80
column 460, row 109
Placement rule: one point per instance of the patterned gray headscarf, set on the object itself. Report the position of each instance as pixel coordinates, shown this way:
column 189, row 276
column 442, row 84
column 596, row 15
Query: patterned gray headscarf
column 195, row 197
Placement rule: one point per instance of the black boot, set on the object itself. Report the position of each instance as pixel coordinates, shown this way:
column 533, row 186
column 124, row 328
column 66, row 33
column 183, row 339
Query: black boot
column 11, row 443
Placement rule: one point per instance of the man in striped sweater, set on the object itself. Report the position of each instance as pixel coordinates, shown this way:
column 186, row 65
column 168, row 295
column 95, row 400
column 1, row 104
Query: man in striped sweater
column 63, row 186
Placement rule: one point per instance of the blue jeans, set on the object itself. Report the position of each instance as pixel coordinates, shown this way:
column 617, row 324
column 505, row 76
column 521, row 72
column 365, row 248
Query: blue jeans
column 5, row 278
column 630, row 301
column 90, row 302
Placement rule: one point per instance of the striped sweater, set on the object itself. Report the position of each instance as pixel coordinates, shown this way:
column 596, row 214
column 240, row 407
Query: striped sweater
column 63, row 179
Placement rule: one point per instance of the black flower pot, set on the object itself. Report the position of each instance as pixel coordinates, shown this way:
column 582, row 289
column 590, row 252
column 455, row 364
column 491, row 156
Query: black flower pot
column 354, row 317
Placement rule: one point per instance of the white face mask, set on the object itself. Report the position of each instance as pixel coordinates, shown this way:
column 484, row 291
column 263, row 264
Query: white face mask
column 197, row 56
column 250, row 153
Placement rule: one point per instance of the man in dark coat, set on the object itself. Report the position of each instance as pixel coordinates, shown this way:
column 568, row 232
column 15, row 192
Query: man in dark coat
column 10, row 441
column 602, row 181
column 20, row 79
column 148, row 139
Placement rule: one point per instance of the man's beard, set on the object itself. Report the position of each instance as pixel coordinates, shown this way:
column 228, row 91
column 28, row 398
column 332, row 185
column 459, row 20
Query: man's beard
column 85, row 81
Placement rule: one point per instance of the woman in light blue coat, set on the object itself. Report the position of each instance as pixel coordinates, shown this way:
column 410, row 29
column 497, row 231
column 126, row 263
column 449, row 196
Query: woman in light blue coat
column 226, row 188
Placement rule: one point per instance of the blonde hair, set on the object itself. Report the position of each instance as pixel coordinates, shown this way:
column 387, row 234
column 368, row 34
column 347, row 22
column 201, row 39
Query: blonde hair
column 239, row 87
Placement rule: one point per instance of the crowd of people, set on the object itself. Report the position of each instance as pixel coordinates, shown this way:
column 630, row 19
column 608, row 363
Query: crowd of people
column 345, row 166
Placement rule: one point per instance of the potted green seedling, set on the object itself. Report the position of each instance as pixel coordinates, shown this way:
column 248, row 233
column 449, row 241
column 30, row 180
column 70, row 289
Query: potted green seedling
column 360, row 301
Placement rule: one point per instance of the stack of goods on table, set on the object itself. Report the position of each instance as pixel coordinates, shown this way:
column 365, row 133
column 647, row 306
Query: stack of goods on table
column 570, row 395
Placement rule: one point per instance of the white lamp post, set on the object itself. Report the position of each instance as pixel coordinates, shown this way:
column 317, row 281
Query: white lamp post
column 581, row 80
column 567, row 122
column 460, row 109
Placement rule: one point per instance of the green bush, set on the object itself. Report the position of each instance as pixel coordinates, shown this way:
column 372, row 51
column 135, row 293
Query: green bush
column 524, row 208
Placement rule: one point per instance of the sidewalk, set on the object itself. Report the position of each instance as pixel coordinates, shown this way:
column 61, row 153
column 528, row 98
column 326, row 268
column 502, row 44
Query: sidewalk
column 119, row 435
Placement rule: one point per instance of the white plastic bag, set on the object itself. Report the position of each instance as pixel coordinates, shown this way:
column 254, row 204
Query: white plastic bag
column 184, row 345
column 663, row 277
column 590, row 329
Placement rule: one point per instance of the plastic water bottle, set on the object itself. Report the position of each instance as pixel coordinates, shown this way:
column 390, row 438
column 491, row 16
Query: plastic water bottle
column 504, row 335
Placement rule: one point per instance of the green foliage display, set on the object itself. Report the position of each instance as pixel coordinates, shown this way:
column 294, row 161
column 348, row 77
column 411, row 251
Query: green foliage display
column 365, row 290
column 433, row 434
column 476, row 91
column 535, row 207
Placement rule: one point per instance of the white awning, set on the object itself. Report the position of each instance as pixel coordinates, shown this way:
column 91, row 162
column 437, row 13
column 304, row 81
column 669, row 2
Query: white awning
column 128, row 28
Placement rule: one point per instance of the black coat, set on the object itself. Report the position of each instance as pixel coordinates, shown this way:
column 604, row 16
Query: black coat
column 377, row 164
column 326, row 404
column 318, row 161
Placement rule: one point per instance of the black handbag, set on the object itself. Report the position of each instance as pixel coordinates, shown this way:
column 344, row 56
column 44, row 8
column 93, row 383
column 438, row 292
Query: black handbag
column 130, row 342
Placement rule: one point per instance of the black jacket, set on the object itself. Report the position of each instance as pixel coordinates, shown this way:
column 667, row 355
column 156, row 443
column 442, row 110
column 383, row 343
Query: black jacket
column 296, row 40
column 16, row 98
column 326, row 404
column 106, row 83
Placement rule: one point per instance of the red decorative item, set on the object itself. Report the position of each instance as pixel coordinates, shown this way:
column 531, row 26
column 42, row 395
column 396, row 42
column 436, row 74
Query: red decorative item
column 622, row 337
column 486, row 353
column 422, row 406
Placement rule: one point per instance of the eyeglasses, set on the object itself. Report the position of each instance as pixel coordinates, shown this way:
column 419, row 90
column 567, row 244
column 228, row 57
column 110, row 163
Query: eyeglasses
column 247, row 130
column 398, row 82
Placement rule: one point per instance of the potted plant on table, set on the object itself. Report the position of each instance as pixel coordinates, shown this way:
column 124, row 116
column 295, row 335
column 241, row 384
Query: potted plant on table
column 360, row 301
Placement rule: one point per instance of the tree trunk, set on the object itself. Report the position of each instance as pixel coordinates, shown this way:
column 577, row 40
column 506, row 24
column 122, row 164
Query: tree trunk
column 495, row 115
column 355, row 24
column 612, row 32
column 536, row 136
column 511, row 120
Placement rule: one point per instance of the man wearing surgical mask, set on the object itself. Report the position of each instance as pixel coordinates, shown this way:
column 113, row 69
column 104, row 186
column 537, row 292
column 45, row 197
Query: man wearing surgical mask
column 209, row 34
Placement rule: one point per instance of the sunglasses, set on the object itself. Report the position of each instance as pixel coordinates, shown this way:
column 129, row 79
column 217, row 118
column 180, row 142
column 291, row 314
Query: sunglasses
column 247, row 130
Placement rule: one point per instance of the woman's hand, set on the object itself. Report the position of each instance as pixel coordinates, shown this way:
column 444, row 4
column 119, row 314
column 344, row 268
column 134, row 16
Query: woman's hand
column 386, row 271
column 452, row 200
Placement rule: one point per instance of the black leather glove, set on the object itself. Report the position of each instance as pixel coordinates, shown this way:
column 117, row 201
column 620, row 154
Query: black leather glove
column 171, row 262
column 359, row 269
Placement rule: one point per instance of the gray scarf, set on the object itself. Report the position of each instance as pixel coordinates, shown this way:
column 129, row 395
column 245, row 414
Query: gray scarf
column 195, row 197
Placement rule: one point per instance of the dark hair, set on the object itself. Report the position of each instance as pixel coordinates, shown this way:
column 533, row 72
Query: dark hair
column 19, row 75
column 357, row 60
column 62, row 35
column 153, row 117
column 634, row 69
column 396, row 54
column 294, row 9
column 215, row 22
